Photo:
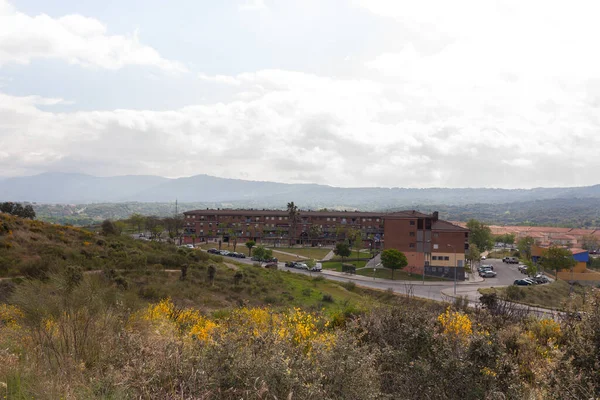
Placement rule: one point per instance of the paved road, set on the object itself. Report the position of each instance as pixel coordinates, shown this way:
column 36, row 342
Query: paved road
column 434, row 290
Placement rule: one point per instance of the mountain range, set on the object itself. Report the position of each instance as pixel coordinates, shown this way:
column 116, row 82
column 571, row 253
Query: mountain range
column 73, row 188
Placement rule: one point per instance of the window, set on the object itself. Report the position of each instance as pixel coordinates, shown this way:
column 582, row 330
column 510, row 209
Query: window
column 201, row 223
column 446, row 258
column 412, row 222
column 280, row 218
column 411, row 234
column 435, row 246
column 201, row 230
column 364, row 219
column 334, row 218
column 411, row 245
column 436, row 235
column 434, row 258
column 377, row 220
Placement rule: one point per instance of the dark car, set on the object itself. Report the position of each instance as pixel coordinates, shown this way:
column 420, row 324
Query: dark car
column 522, row 282
column 271, row 266
column 272, row 260
column 212, row 251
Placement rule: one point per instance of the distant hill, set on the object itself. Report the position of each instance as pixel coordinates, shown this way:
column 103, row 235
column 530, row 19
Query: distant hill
column 69, row 188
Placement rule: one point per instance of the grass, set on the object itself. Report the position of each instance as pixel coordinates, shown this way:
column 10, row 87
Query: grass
column 316, row 253
column 337, row 265
column 398, row 275
column 553, row 295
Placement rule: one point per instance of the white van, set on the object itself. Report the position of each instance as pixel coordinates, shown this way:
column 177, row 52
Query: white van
column 317, row 268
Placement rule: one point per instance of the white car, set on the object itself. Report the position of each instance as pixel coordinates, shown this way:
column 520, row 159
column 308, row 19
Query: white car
column 488, row 274
column 482, row 258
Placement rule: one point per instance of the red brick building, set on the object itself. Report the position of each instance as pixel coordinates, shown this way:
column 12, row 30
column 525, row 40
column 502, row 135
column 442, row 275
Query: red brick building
column 429, row 243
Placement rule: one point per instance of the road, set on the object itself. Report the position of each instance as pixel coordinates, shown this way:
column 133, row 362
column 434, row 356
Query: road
column 434, row 290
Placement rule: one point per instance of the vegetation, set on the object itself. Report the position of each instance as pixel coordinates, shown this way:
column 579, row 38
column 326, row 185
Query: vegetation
column 18, row 210
column 557, row 258
column 480, row 235
column 250, row 244
column 524, row 246
column 137, row 330
column 555, row 295
column 342, row 249
column 261, row 253
column 393, row 259
column 293, row 218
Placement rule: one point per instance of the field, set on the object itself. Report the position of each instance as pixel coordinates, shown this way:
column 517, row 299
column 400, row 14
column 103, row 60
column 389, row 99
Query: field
column 315, row 253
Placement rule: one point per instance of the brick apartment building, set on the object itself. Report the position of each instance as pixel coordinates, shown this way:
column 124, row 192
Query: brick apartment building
column 428, row 242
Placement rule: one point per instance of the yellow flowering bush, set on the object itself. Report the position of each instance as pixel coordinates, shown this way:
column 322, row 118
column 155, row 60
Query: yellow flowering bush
column 456, row 324
column 296, row 326
column 10, row 315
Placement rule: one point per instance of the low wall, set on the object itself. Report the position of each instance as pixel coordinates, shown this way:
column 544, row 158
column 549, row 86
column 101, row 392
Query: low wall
column 446, row 272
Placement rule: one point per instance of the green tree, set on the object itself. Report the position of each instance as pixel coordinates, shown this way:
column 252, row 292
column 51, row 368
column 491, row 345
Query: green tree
column 473, row 254
column 480, row 234
column 194, row 237
column 524, row 246
column 393, row 259
column 507, row 238
column 250, row 244
column 314, row 232
column 558, row 258
column 137, row 220
column 294, row 218
column 342, row 250
column 355, row 238
column 108, row 228
column 532, row 269
column 262, row 254
column 120, row 226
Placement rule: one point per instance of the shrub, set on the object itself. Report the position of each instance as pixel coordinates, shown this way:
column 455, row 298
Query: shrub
column 514, row 292
column 327, row 298
column 350, row 286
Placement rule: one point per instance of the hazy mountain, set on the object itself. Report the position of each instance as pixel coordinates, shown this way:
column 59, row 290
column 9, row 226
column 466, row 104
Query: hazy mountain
column 79, row 188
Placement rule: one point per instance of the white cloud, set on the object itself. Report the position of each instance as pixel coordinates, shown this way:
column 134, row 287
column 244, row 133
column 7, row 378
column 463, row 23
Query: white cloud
column 298, row 127
column 253, row 5
column 73, row 38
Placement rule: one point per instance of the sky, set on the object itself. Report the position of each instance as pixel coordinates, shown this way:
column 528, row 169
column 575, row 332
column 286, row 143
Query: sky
column 354, row 93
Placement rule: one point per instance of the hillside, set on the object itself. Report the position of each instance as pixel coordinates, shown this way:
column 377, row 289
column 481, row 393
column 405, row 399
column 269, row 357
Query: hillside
column 79, row 188
column 134, row 329
column 152, row 270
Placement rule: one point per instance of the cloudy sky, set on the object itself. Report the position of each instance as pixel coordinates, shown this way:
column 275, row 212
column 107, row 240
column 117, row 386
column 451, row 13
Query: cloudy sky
column 348, row 93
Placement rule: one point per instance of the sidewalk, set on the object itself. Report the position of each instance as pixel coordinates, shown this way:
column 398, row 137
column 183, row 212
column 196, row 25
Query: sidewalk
column 328, row 256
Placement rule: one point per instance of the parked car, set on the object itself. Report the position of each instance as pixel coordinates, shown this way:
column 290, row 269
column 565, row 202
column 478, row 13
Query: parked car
column 224, row 252
column 212, row 251
column 522, row 282
column 522, row 269
column 540, row 279
column 482, row 258
column 301, row 266
column 271, row 266
column 510, row 260
column 317, row 268
column 488, row 274
column 272, row 260
column 485, row 268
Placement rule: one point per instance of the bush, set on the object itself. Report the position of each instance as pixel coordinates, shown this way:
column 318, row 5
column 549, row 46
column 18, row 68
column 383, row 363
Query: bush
column 350, row 286
column 327, row 298
column 514, row 292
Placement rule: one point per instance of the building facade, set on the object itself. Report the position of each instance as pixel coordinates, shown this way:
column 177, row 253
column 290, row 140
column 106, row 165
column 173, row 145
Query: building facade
column 431, row 245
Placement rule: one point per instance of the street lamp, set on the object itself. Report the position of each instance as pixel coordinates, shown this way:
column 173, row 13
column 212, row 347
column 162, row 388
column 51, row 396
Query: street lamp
column 455, row 267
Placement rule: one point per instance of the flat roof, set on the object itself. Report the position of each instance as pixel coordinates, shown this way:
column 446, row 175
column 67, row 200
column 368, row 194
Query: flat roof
column 346, row 214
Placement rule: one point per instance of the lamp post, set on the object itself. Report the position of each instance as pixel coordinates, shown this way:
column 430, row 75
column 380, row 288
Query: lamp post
column 455, row 267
